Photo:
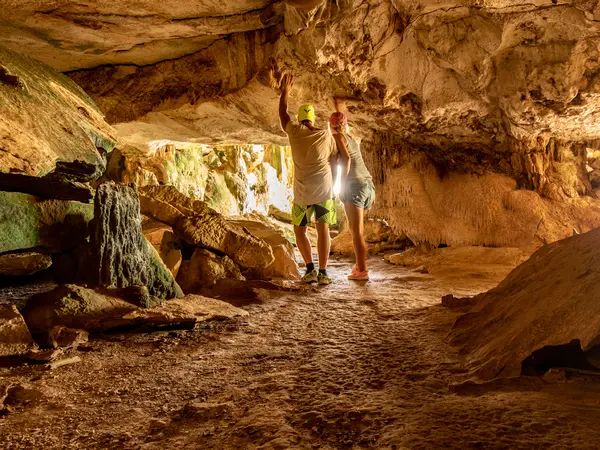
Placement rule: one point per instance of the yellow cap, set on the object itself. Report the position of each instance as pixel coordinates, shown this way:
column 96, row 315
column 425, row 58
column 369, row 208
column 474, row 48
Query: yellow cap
column 306, row 112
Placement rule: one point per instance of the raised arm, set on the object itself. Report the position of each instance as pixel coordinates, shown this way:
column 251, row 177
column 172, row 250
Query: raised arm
column 340, row 105
column 287, row 82
column 344, row 155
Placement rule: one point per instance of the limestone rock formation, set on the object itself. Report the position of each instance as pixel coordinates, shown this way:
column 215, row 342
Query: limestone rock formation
column 194, row 222
column 120, row 254
column 21, row 264
column 232, row 180
column 478, row 117
column 165, row 242
column 15, row 337
column 47, row 123
column 455, row 208
column 454, row 73
column 27, row 222
column 204, row 269
column 549, row 300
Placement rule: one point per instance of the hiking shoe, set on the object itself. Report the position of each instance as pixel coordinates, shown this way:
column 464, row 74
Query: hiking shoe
column 358, row 276
column 310, row 277
column 323, row 279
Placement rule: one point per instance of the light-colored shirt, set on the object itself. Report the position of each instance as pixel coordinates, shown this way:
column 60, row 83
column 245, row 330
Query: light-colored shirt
column 311, row 152
column 358, row 169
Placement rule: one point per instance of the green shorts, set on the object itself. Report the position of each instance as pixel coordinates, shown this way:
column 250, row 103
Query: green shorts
column 324, row 212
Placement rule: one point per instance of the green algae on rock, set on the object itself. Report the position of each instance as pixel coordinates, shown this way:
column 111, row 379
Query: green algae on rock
column 27, row 221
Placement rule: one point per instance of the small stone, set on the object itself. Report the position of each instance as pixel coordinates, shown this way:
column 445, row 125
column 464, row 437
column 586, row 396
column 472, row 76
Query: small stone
column 63, row 362
column 45, row 355
column 555, row 376
column 60, row 336
column 206, row 411
column 450, row 301
column 15, row 337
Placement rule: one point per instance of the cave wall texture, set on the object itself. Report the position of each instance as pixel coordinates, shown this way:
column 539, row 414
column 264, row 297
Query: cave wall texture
column 490, row 107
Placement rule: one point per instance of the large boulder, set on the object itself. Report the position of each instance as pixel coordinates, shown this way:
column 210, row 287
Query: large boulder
column 204, row 269
column 15, row 337
column 120, row 254
column 27, row 221
column 22, row 264
column 549, row 300
column 284, row 265
column 197, row 224
column 74, row 307
column 45, row 119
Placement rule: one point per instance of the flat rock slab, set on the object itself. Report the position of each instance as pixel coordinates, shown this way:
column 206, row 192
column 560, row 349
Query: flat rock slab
column 189, row 309
column 62, row 314
column 196, row 223
column 75, row 307
column 23, row 264
column 15, row 337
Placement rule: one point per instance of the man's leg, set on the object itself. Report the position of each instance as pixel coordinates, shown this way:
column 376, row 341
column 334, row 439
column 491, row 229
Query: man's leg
column 355, row 217
column 323, row 245
column 303, row 244
column 325, row 215
column 301, row 215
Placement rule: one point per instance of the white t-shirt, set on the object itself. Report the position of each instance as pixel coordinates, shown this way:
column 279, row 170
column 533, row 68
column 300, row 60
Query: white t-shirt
column 311, row 152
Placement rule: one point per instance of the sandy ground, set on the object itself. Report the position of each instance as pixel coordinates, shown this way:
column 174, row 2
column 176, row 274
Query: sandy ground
column 345, row 366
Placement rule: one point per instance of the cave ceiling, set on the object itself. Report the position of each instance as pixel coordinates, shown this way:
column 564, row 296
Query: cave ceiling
column 463, row 74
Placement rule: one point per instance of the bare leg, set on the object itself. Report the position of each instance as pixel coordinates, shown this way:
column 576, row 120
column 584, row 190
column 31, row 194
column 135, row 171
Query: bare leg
column 323, row 244
column 303, row 244
column 356, row 217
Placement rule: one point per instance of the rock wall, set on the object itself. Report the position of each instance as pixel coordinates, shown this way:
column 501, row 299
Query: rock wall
column 433, row 202
column 439, row 74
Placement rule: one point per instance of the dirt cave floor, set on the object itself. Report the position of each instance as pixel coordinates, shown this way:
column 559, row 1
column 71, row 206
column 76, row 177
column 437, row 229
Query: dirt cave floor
column 351, row 365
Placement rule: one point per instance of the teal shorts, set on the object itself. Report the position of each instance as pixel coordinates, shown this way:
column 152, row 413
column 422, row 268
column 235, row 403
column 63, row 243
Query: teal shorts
column 359, row 192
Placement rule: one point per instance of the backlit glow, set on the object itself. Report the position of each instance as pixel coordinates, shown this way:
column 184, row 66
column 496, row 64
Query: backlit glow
column 337, row 186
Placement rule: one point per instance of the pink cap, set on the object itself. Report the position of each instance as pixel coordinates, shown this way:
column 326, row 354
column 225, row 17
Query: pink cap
column 338, row 119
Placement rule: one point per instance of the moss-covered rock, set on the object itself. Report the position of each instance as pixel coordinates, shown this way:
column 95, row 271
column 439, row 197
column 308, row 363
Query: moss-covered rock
column 27, row 221
column 120, row 254
column 218, row 196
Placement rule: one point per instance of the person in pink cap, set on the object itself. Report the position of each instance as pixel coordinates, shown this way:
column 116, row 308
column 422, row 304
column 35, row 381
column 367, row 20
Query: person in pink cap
column 358, row 191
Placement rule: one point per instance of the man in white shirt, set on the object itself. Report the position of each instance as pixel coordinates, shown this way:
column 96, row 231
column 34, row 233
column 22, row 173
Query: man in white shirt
column 315, row 160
